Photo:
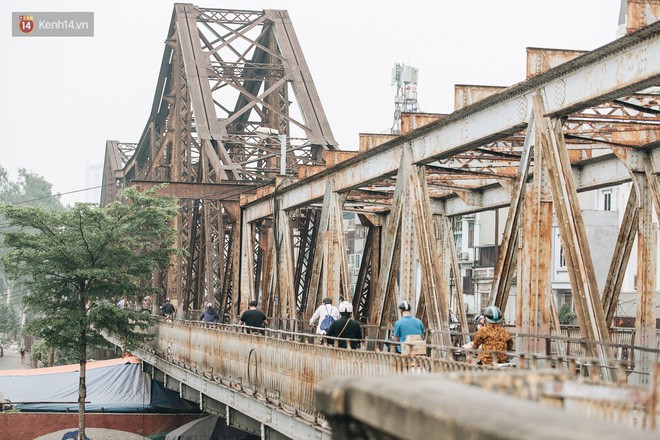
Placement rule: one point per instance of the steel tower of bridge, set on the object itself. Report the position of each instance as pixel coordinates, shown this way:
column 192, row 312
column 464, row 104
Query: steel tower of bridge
column 234, row 91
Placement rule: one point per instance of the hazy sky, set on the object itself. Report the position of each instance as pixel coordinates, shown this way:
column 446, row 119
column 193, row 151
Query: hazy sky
column 62, row 98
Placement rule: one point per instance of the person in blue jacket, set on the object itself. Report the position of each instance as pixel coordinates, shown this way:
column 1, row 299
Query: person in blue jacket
column 407, row 325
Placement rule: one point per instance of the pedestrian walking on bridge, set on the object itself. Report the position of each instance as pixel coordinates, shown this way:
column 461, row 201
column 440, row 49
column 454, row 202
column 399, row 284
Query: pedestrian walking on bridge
column 345, row 328
column 493, row 338
column 254, row 318
column 209, row 315
column 410, row 330
column 320, row 317
column 167, row 309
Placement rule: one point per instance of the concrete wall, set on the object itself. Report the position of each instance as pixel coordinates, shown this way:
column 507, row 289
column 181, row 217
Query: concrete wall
column 602, row 228
column 434, row 406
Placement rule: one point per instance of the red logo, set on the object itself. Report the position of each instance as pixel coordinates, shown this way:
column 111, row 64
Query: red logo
column 26, row 23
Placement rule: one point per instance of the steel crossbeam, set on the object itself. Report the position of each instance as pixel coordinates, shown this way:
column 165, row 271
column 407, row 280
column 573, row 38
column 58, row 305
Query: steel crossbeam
column 592, row 79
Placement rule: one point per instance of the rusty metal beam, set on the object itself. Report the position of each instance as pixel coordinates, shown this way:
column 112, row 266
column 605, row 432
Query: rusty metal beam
column 497, row 116
column 284, row 269
column 390, row 252
column 468, row 94
column 225, row 191
column 571, row 227
column 622, row 251
column 540, row 60
column 316, row 291
column 535, row 257
column 647, row 243
column 433, row 284
column 504, row 268
column 407, row 279
column 367, row 276
column 247, row 232
column 334, row 251
column 449, row 257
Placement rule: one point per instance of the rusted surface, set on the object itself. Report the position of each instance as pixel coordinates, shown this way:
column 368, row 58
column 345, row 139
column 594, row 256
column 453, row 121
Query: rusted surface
column 286, row 369
column 465, row 94
column 334, row 157
column 284, row 269
column 646, row 273
column 509, row 246
column 533, row 315
column 304, row 171
column 541, row 60
column 412, row 121
column 286, row 372
column 636, row 136
column 622, row 251
column 571, row 227
column 641, row 13
column 371, row 140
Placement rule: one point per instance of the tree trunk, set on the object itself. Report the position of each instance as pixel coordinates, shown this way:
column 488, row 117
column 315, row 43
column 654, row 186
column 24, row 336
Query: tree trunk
column 82, row 396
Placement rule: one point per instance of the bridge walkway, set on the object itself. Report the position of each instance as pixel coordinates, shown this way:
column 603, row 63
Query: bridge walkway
column 267, row 384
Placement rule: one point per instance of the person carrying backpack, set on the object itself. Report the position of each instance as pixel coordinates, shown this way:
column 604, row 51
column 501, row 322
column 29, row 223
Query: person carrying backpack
column 347, row 331
column 324, row 316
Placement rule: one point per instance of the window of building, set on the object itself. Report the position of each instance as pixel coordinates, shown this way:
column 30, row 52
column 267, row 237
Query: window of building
column 606, row 196
column 468, row 285
column 486, row 256
column 562, row 257
column 457, row 227
column 470, row 236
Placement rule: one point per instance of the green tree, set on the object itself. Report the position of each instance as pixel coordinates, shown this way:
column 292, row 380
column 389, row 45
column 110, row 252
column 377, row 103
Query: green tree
column 8, row 320
column 566, row 315
column 78, row 262
column 27, row 189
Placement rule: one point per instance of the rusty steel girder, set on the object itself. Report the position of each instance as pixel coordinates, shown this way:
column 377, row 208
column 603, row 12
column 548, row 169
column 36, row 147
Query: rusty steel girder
column 479, row 158
column 221, row 117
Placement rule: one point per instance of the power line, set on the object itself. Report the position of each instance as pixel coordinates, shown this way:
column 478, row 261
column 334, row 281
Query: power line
column 7, row 225
column 62, row 194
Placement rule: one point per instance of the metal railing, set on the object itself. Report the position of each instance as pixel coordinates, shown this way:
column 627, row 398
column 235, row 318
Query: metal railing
column 564, row 351
column 280, row 366
column 285, row 364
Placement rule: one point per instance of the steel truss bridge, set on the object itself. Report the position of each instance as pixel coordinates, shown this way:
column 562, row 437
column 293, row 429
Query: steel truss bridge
column 238, row 133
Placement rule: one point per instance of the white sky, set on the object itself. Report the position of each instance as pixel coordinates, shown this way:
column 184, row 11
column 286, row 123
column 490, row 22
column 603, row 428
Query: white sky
column 62, row 98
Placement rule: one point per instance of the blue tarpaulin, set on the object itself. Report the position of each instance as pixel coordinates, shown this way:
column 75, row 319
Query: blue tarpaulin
column 111, row 387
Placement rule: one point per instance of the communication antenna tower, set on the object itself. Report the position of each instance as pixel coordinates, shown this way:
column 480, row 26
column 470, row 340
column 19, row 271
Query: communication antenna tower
column 405, row 79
